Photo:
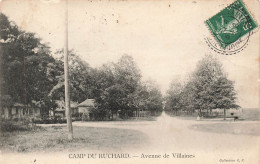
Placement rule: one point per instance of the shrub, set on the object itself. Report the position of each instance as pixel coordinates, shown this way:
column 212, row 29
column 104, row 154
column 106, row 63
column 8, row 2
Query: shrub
column 9, row 126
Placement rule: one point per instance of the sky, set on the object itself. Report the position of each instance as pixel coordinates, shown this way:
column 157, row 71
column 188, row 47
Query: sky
column 165, row 38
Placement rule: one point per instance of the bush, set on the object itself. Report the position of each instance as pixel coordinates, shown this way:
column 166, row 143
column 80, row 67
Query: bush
column 99, row 114
column 76, row 118
column 76, row 115
column 57, row 120
column 61, row 121
column 9, row 126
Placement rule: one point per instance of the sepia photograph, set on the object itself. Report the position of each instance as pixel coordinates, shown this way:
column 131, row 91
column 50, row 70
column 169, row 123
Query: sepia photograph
column 129, row 81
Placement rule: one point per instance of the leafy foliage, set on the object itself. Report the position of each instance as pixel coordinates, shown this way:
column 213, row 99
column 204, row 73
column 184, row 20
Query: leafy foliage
column 119, row 88
column 208, row 88
column 32, row 76
column 25, row 63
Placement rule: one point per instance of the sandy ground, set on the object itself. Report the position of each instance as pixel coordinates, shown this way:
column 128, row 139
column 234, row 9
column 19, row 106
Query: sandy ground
column 169, row 135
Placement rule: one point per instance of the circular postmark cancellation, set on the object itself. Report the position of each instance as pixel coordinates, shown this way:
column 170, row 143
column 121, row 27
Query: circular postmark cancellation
column 231, row 29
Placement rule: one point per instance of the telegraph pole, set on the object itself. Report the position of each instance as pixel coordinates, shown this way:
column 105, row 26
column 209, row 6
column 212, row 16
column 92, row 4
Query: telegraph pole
column 66, row 74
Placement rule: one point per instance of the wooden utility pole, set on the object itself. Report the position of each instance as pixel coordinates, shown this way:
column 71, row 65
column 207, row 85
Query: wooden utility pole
column 27, row 112
column 66, row 74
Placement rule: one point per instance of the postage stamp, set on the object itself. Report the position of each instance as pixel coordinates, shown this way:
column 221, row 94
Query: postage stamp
column 231, row 28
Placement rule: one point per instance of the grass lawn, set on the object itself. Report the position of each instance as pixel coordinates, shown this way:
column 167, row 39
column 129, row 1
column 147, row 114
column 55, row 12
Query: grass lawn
column 251, row 114
column 240, row 128
column 54, row 138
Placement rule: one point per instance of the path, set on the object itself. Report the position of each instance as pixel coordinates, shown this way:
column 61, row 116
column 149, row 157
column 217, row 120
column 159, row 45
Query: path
column 169, row 133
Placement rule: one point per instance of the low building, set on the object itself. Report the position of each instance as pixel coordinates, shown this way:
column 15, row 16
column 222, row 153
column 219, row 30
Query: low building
column 60, row 110
column 85, row 108
column 18, row 111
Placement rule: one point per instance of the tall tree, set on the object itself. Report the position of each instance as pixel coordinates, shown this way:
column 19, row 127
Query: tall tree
column 208, row 88
column 117, row 85
column 127, row 77
column 188, row 97
column 104, row 92
column 154, row 99
column 173, row 97
column 81, row 78
column 25, row 65
column 225, row 95
column 208, row 70
column 11, row 61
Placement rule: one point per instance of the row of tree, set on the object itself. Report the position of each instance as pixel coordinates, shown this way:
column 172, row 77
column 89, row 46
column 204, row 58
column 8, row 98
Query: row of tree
column 31, row 75
column 119, row 88
column 207, row 88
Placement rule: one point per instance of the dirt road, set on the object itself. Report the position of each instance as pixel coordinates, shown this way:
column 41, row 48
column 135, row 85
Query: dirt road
column 169, row 134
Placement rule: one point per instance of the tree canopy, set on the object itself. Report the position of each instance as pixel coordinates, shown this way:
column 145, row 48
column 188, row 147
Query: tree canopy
column 31, row 75
column 208, row 88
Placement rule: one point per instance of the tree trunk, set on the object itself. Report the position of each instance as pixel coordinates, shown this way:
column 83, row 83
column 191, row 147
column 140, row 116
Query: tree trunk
column 9, row 113
column 42, row 113
column 224, row 114
column 33, row 112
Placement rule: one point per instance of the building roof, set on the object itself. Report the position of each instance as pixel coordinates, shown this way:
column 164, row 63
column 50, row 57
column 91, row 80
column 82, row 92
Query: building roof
column 87, row 103
column 61, row 105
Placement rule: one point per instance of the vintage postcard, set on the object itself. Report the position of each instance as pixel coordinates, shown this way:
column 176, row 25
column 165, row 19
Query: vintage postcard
column 129, row 81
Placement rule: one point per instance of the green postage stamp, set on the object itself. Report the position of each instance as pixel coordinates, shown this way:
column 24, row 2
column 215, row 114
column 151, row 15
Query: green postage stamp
column 231, row 24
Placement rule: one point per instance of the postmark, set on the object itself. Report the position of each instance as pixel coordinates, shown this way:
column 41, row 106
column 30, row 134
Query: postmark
column 231, row 29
